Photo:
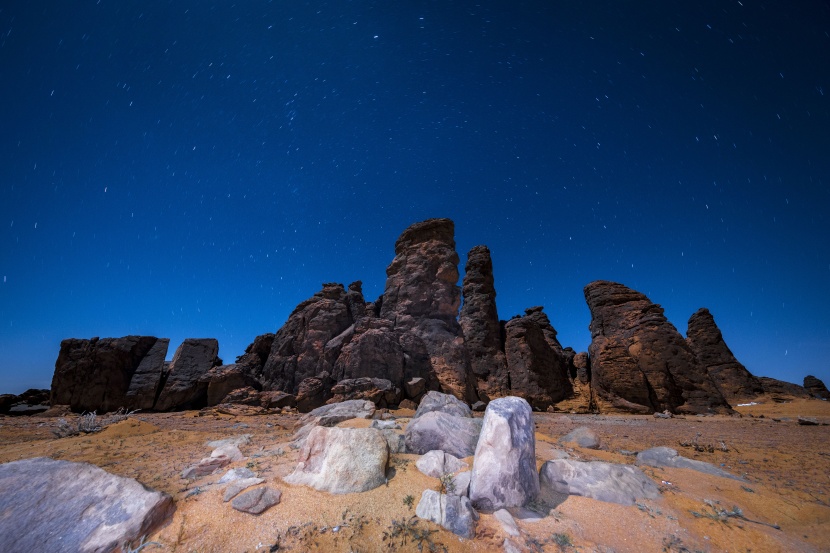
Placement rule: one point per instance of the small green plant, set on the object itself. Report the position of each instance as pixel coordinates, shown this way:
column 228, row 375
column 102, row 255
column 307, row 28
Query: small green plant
column 562, row 540
column 409, row 500
column 446, row 484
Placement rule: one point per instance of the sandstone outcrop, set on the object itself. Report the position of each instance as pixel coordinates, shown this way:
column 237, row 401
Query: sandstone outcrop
column 816, row 387
column 298, row 347
column 639, row 362
column 482, row 329
column 733, row 380
column 782, row 389
column 535, row 364
column 105, row 374
column 422, row 298
column 256, row 354
column 184, row 385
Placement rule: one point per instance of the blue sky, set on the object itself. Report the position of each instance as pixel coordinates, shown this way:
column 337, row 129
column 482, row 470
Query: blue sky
column 196, row 169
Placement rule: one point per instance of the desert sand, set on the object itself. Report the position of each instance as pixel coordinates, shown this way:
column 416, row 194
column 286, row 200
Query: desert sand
column 783, row 502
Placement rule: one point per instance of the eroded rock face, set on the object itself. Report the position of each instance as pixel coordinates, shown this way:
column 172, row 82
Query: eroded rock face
column 504, row 470
column 639, row 362
column 816, row 387
column 480, row 322
column 776, row 387
column 256, row 354
column 535, row 363
column 297, row 351
column 108, row 373
column 51, row 505
column 422, row 300
column 372, row 351
column 379, row 391
column 185, row 385
column 733, row 380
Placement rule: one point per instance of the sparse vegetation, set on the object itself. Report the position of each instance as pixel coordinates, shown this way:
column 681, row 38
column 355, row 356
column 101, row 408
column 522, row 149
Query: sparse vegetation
column 127, row 548
column 722, row 515
column 407, row 531
column 562, row 540
column 446, row 484
column 89, row 423
column 409, row 500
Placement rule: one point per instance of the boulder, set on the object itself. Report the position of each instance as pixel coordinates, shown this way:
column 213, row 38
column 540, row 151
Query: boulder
column 257, row 501
column 455, row 513
column 581, row 436
column 609, row 482
column 373, row 351
column 236, row 474
column 330, row 415
column 184, row 386
column 461, row 484
column 314, row 392
column 240, row 396
column 639, row 362
column 256, row 354
column 504, row 470
column 422, row 299
column 379, row 391
column 816, row 387
column 668, row 457
column 224, row 379
column 733, row 380
column 479, row 320
column 457, row 436
column 537, row 370
column 51, row 505
column 277, row 399
column 437, row 463
column 342, row 460
column 97, row 374
column 298, row 349
column 415, row 387
column 445, row 403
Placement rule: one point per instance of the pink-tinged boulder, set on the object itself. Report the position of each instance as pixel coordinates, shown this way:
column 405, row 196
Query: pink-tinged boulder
column 733, row 380
column 422, row 299
column 639, row 362
column 482, row 329
column 504, row 470
column 342, row 460
column 51, row 505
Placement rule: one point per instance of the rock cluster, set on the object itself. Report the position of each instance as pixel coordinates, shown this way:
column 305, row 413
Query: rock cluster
column 732, row 379
column 418, row 337
column 639, row 362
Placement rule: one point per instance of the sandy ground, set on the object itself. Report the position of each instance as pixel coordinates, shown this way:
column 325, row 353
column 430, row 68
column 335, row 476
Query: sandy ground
column 784, row 499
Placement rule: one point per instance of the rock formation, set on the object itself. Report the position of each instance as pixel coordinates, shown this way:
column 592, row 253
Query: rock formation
column 482, row 329
column 775, row 387
column 110, row 373
column 422, row 299
column 535, row 365
column 732, row 379
column 185, row 385
column 816, row 387
column 297, row 349
column 639, row 362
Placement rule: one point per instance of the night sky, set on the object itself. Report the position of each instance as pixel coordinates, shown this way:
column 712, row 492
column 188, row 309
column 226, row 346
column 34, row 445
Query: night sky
column 196, row 169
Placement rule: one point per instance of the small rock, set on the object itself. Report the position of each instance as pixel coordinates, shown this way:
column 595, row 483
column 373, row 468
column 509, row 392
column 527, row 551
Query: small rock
column 242, row 439
column 230, row 451
column 408, row 404
column 415, row 387
column 395, row 441
column 510, row 546
column 257, row 501
column 237, row 486
column 461, row 484
column 479, row 406
column 236, row 474
column 206, row 466
column 583, row 437
column 664, row 415
column 804, row 421
column 385, row 425
column 454, row 513
column 507, row 521
column 437, row 463
column 667, row 457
